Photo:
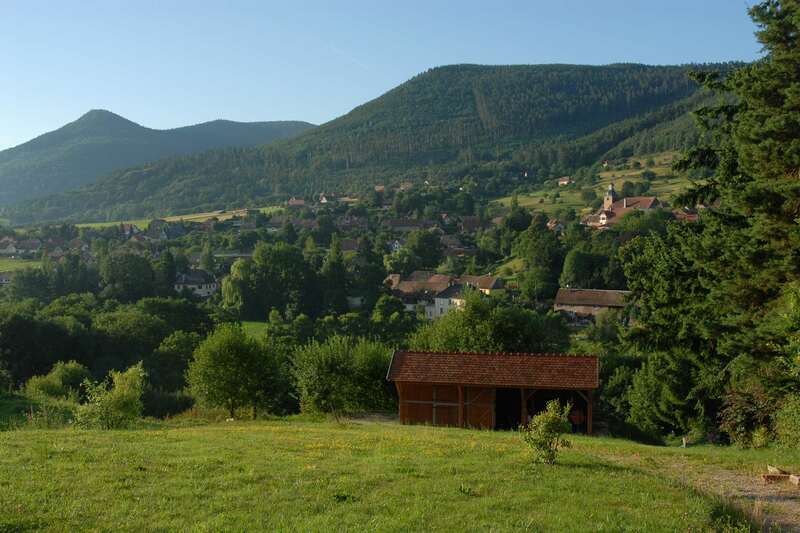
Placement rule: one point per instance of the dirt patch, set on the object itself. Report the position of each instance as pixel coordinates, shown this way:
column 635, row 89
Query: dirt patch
column 771, row 505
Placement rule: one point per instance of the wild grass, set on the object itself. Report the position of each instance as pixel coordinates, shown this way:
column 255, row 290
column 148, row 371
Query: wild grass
column 300, row 475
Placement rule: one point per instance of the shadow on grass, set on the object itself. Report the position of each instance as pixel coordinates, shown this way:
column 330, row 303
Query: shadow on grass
column 725, row 514
column 19, row 526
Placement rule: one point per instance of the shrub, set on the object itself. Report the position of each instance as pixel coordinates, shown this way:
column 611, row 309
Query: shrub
column 744, row 412
column 114, row 407
column 231, row 370
column 544, row 432
column 161, row 404
column 787, row 422
column 50, row 414
column 6, row 382
column 62, row 382
column 342, row 375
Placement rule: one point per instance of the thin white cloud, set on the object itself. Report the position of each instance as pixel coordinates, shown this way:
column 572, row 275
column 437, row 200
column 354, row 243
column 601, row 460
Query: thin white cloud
column 350, row 58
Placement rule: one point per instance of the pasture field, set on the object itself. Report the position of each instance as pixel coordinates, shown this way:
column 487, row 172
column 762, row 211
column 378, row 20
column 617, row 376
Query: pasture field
column 9, row 265
column 298, row 474
column 221, row 214
column 141, row 223
column 667, row 185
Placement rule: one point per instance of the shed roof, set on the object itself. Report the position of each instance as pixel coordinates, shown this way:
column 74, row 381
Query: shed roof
column 595, row 297
column 496, row 369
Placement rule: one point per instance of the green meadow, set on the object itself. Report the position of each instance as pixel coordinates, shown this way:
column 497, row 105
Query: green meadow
column 299, row 474
column 8, row 265
column 665, row 186
column 143, row 223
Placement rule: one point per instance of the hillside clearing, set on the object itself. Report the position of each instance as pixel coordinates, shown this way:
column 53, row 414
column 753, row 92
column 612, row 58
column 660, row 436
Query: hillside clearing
column 665, row 186
column 10, row 265
column 254, row 328
column 313, row 476
column 221, row 215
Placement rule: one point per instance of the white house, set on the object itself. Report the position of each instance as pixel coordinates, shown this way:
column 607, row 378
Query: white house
column 198, row 282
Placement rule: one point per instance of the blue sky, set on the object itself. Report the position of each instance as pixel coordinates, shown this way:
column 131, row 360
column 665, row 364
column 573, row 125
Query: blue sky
column 170, row 63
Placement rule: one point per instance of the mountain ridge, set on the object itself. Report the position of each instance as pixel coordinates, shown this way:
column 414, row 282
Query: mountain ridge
column 485, row 125
column 100, row 142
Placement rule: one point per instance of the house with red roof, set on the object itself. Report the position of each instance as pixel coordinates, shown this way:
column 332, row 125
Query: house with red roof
column 491, row 390
column 614, row 209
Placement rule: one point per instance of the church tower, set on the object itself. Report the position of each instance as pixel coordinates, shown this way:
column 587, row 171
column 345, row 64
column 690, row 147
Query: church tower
column 609, row 198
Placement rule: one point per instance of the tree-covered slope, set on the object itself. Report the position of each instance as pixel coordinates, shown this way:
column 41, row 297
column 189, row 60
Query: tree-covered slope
column 454, row 122
column 100, row 142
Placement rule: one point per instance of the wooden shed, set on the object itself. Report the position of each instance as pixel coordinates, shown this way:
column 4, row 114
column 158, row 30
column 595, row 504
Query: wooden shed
column 491, row 390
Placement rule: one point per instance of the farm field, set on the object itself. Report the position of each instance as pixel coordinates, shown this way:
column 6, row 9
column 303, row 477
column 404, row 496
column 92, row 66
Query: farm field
column 9, row 265
column 303, row 475
column 192, row 217
column 570, row 197
column 142, row 223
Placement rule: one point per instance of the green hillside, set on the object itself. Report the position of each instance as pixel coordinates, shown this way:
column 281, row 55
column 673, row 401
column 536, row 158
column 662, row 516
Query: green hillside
column 294, row 475
column 100, row 142
column 551, row 199
column 488, row 124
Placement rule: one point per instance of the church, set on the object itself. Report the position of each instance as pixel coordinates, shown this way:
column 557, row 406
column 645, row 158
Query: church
column 614, row 209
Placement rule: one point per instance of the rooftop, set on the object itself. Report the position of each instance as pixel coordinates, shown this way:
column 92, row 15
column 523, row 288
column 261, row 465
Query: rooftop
column 496, row 369
column 595, row 297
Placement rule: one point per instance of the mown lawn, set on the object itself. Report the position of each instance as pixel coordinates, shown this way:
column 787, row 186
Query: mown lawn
column 297, row 475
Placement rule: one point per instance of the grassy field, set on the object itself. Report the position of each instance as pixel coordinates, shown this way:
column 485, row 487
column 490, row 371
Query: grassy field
column 192, row 217
column 8, row 265
column 141, row 223
column 254, row 328
column 299, row 475
column 570, row 197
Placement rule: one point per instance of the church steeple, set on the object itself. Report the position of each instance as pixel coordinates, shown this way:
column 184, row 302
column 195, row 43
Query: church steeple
column 609, row 198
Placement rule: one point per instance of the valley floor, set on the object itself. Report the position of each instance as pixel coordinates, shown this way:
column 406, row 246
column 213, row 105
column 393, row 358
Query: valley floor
column 295, row 474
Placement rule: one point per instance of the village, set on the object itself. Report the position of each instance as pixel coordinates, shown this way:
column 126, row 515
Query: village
column 429, row 293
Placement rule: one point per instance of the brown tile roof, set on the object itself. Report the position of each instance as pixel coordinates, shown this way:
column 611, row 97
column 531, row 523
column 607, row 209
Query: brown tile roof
column 595, row 297
column 636, row 202
column 482, row 282
column 535, row 371
column 620, row 208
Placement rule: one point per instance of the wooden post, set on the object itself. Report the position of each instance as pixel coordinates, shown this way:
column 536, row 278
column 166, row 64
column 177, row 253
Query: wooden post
column 589, row 402
column 400, row 406
column 523, row 409
column 460, row 406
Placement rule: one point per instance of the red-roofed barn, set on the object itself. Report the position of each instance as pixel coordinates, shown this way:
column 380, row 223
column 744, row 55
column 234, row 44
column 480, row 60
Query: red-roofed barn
column 491, row 390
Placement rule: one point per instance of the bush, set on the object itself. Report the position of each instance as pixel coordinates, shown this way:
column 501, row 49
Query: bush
column 6, row 382
column 50, row 414
column 544, row 432
column 787, row 422
column 232, row 370
column 159, row 403
column 342, row 375
column 63, row 382
column 117, row 407
column 744, row 412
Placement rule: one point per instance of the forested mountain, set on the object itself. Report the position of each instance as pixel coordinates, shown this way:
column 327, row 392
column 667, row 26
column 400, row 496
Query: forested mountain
column 100, row 142
column 481, row 124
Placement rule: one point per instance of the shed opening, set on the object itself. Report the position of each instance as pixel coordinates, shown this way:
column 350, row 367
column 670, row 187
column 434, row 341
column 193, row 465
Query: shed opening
column 507, row 409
